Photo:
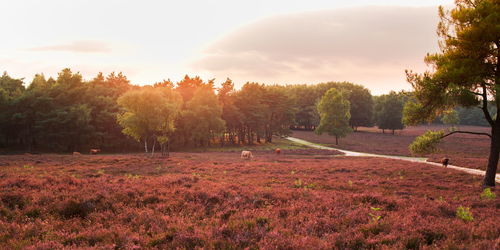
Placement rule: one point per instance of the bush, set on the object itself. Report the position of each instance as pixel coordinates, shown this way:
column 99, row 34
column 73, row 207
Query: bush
column 487, row 194
column 464, row 214
column 426, row 143
column 14, row 201
column 72, row 209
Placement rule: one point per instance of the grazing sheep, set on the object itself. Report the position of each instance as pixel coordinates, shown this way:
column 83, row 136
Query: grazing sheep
column 76, row 153
column 94, row 151
column 278, row 151
column 445, row 162
column 246, row 155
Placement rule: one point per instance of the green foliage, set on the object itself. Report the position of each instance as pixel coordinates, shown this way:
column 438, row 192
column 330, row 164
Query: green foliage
column 12, row 87
column 374, row 217
column 426, row 143
column 333, row 109
column 411, row 113
column 361, row 108
column 203, row 116
column 149, row 113
column 389, row 111
column 305, row 98
column 474, row 116
column 487, row 194
column 464, row 213
column 450, row 117
column 66, row 114
column 463, row 68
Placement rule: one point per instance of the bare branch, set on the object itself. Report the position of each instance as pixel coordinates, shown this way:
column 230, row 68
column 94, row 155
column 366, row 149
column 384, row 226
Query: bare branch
column 465, row 132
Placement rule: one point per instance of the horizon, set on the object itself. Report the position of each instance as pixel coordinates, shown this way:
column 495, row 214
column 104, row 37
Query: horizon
column 270, row 43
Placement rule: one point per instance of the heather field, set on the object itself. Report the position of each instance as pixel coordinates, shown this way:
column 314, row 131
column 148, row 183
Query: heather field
column 464, row 150
column 303, row 199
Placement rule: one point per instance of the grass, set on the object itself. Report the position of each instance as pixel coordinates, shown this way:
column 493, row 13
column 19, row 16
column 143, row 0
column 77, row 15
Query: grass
column 281, row 143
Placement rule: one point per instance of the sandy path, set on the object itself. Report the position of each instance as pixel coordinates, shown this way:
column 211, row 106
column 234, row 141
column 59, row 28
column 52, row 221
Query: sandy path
column 404, row 158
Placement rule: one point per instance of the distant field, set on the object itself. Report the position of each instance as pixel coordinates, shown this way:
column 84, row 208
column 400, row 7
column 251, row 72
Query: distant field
column 300, row 200
column 464, row 150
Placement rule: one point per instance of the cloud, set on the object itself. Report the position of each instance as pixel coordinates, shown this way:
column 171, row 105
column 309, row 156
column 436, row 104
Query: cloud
column 81, row 46
column 368, row 45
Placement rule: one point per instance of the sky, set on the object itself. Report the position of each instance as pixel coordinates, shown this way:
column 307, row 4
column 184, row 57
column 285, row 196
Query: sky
column 367, row 42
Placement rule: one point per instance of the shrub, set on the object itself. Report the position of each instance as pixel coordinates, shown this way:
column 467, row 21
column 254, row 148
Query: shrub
column 412, row 243
column 431, row 237
column 151, row 200
column 72, row 209
column 297, row 183
column 487, row 194
column 464, row 214
column 33, row 213
column 14, row 201
column 426, row 143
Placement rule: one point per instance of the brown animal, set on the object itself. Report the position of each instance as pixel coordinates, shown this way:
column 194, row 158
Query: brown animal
column 76, row 153
column 445, row 162
column 246, row 155
column 94, row 151
column 278, row 151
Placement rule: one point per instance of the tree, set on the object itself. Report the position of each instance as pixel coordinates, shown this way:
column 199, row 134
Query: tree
column 10, row 90
column 450, row 117
column 280, row 113
column 203, row 115
column 187, row 86
column 389, row 111
column 333, row 110
column 305, row 98
column 474, row 116
column 149, row 114
column 361, row 106
column 230, row 113
column 465, row 72
column 13, row 87
column 250, row 102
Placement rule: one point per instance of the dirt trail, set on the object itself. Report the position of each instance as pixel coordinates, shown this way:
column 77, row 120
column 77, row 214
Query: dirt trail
column 404, row 158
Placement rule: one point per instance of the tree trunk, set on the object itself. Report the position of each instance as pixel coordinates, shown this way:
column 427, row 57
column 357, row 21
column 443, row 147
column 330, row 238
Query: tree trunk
column 153, row 149
column 393, row 131
column 146, row 145
column 231, row 138
column 491, row 170
column 336, row 140
column 250, row 139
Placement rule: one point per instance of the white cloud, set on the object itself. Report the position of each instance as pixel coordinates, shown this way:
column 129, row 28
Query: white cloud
column 367, row 45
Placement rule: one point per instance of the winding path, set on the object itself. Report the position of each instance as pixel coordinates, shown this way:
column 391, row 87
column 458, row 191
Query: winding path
column 404, row 158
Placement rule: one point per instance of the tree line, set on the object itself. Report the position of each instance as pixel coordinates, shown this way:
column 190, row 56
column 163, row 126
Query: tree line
column 67, row 113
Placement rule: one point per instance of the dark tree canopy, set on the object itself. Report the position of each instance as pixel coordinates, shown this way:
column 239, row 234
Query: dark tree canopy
column 389, row 111
column 68, row 113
